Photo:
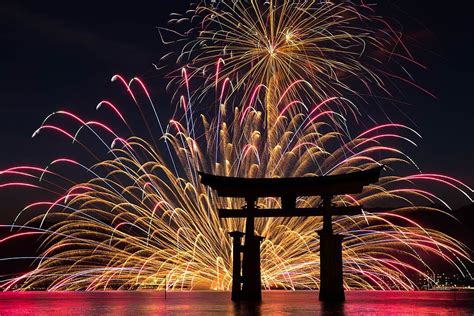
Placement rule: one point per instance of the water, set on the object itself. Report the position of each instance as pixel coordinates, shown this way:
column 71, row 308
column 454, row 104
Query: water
column 212, row 303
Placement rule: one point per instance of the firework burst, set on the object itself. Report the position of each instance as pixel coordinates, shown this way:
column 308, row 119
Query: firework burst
column 340, row 48
column 144, row 220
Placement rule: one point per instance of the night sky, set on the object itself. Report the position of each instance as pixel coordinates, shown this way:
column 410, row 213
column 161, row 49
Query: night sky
column 61, row 55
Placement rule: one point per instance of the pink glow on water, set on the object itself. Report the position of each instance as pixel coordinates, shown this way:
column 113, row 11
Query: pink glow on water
column 212, row 303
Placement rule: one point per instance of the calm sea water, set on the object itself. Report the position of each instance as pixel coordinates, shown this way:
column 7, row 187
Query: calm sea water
column 218, row 303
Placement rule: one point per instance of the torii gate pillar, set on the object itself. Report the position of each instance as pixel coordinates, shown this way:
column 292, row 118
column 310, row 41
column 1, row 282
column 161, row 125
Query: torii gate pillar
column 331, row 287
column 236, row 265
column 246, row 275
column 251, row 275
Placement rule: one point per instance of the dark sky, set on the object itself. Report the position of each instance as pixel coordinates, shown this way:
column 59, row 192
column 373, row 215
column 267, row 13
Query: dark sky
column 61, row 55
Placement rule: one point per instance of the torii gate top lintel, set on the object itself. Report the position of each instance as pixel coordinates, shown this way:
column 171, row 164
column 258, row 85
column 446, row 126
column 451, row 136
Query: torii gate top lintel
column 348, row 183
column 288, row 189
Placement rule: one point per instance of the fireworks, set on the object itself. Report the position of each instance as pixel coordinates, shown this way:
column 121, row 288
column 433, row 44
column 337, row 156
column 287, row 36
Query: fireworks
column 143, row 220
column 138, row 221
column 339, row 48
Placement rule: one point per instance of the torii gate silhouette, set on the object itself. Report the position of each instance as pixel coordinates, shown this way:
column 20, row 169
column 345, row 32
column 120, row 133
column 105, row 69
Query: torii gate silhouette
column 246, row 282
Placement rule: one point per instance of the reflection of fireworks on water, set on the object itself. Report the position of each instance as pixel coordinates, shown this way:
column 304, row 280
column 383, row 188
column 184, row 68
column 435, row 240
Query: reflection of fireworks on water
column 143, row 217
column 140, row 220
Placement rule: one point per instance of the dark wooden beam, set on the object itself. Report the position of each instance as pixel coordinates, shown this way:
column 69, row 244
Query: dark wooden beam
column 298, row 212
column 289, row 188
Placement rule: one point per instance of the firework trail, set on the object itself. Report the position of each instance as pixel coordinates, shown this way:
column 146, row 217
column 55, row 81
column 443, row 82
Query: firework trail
column 143, row 220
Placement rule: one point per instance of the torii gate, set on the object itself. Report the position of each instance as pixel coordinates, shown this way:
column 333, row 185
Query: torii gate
column 246, row 282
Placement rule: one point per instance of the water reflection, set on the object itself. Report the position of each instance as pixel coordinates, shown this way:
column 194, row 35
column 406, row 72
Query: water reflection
column 247, row 308
column 218, row 303
column 333, row 309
